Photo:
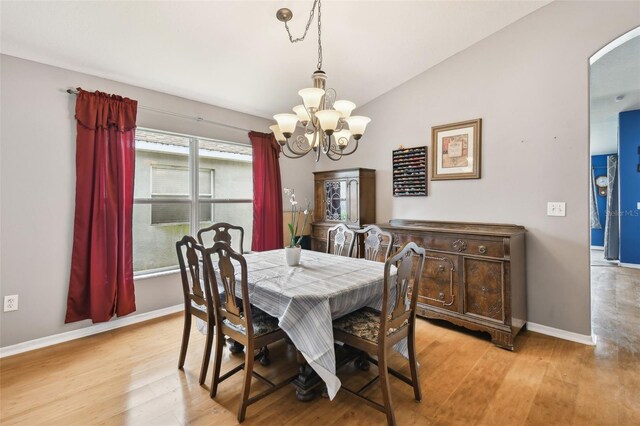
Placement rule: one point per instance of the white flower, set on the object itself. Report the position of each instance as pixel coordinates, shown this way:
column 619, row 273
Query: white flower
column 287, row 191
column 293, row 202
column 306, row 211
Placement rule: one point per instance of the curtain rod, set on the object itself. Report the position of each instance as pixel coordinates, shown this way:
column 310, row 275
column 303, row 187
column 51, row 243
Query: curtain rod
column 175, row 114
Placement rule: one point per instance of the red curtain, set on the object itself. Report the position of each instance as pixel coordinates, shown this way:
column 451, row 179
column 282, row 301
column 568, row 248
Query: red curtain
column 267, row 193
column 101, row 280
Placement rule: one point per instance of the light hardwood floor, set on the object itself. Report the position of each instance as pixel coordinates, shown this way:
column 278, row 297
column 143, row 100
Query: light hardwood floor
column 129, row 376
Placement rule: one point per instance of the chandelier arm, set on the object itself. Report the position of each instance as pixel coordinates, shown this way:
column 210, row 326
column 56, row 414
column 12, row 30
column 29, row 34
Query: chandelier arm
column 334, row 156
column 309, row 127
column 300, row 153
column 329, row 97
column 326, row 144
column 312, row 118
column 329, row 146
column 342, row 153
column 294, row 157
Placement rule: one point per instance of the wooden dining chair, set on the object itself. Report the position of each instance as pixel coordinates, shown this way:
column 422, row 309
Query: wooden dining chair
column 376, row 332
column 253, row 331
column 198, row 301
column 369, row 242
column 341, row 236
column 221, row 232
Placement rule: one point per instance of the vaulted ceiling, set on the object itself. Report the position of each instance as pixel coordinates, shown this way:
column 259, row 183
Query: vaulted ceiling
column 235, row 54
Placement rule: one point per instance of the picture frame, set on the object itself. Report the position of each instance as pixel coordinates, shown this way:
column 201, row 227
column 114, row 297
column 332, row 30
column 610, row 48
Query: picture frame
column 455, row 150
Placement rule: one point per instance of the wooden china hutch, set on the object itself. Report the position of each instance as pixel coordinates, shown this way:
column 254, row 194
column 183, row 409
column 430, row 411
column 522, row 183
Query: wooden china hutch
column 342, row 196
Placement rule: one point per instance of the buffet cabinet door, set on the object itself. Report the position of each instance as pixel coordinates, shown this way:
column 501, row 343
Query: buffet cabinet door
column 484, row 288
column 439, row 282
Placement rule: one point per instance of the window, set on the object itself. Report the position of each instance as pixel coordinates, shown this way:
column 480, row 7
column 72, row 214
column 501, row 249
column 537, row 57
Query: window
column 169, row 182
column 170, row 169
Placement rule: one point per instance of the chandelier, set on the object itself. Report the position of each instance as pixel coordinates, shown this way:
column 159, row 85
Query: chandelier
column 328, row 124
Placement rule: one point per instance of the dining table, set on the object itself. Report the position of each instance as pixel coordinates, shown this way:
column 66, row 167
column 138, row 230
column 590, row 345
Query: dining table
column 307, row 298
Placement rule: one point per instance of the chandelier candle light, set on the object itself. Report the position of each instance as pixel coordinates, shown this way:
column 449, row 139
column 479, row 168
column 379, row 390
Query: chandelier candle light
column 328, row 124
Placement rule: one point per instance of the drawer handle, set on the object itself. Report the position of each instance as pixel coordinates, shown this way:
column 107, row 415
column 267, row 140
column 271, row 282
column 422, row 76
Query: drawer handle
column 441, row 268
column 441, row 296
column 482, row 249
column 459, row 245
column 485, row 290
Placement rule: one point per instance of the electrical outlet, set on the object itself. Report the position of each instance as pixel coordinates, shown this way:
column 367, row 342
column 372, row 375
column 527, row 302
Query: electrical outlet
column 556, row 208
column 11, row 303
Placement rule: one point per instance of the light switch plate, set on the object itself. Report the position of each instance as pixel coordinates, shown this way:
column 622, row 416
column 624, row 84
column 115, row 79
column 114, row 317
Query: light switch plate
column 556, row 208
column 638, row 205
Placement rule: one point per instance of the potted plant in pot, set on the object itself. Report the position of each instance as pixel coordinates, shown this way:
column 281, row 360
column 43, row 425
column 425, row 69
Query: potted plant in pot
column 293, row 250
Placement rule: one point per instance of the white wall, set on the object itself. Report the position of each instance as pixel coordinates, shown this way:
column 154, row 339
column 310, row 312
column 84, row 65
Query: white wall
column 529, row 84
column 38, row 187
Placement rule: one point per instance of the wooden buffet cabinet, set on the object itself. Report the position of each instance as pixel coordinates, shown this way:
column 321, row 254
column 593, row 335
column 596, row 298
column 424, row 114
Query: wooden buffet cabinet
column 474, row 275
column 342, row 196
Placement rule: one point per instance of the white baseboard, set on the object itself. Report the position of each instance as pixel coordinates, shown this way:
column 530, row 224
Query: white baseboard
column 629, row 265
column 87, row 331
column 597, row 248
column 585, row 339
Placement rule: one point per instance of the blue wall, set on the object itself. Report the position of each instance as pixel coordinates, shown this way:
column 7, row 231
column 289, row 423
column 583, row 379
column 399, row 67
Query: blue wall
column 629, row 160
column 599, row 163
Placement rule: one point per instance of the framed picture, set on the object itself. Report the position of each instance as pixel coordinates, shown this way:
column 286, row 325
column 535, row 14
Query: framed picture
column 455, row 150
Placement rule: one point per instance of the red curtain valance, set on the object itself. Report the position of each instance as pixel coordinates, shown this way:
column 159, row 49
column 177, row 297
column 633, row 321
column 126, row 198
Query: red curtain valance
column 100, row 110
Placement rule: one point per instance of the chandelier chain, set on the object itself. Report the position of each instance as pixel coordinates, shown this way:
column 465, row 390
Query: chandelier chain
column 319, row 35
column 306, row 30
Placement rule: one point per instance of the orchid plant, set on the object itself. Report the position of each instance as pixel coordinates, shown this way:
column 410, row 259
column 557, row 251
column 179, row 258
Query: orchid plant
column 295, row 218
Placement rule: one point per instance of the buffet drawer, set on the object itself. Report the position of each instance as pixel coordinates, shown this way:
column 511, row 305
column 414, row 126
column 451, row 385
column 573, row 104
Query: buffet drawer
column 465, row 245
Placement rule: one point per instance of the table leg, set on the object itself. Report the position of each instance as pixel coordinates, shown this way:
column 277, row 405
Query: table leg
column 308, row 384
column 235, row 347
column 264, row 357
column 362, row 362
column 307, row 380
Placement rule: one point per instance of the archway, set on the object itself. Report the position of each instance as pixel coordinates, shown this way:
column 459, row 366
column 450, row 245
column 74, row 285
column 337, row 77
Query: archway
column 614, row 187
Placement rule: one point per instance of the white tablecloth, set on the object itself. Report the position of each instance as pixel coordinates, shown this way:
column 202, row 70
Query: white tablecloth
column 307, row 298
